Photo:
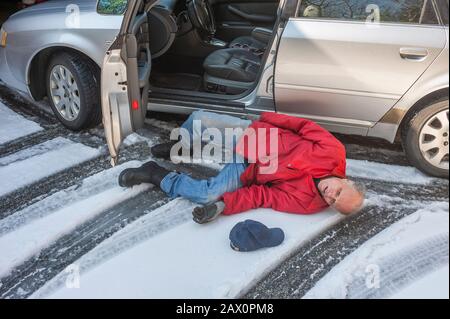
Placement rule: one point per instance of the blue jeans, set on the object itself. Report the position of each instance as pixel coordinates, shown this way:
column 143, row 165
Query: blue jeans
column 229, row 179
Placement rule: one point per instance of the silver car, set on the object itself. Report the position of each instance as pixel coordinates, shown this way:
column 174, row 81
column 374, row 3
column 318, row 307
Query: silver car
column 373, row 68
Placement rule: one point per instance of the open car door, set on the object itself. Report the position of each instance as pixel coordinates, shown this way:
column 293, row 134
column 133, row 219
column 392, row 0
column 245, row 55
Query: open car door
column 125, row 77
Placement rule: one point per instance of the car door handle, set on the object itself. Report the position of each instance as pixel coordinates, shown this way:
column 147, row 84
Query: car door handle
column 414, row 54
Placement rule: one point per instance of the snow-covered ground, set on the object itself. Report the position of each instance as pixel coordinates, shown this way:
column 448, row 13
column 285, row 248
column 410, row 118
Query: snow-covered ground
column 30, row 165
column 384, row 172
column 407, row 260
column 28, row 239
column 162, row 252
column 149, row 267
column 193, row 261
column 14, row 126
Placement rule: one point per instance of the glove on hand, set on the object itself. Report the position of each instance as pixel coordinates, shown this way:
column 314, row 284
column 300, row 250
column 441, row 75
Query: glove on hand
column 208, row 213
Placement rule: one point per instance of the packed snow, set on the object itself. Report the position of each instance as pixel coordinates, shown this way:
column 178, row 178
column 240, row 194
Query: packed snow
column 164, row 254
column 142, row 260
column 385, row 172
column 14, row 126
column 190, row 260
column 28, row 240
column 35, row 150
column 432, row 286
column 427, row 224
column 30, row 165
column 90, row 186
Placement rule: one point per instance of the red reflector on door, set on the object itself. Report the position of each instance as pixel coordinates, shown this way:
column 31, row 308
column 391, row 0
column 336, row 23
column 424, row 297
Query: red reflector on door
column 135, row 105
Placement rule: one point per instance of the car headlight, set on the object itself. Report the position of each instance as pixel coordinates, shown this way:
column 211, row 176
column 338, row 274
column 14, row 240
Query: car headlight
column 3, row 38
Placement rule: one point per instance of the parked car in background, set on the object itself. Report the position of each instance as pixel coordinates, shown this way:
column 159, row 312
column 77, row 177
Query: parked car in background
column 373, row 68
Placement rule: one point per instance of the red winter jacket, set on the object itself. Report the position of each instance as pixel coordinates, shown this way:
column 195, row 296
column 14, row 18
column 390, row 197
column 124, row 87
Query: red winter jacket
column 305, row 151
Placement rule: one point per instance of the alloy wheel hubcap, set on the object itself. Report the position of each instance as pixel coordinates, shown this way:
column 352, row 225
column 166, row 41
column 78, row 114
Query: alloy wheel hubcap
column 434, row 142
column 64, row 92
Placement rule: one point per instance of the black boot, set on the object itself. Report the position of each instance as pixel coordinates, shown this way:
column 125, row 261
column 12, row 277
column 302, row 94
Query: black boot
column 150, row 173
column 163, row 150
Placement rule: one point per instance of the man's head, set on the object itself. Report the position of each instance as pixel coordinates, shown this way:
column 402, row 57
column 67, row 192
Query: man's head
column 344, row 195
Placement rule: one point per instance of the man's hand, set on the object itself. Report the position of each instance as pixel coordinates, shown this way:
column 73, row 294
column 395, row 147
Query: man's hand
column 206, row 214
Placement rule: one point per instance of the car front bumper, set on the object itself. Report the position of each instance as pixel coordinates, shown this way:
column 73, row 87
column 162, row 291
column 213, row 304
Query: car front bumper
column 7, row 75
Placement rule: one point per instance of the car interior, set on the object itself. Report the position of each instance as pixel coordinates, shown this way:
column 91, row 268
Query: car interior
column 209, row 48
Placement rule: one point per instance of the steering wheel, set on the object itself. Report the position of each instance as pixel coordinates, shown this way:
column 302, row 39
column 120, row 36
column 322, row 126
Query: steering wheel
column 202, row 17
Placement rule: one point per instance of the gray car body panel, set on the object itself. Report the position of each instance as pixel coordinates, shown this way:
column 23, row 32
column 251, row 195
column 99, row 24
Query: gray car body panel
column 359, row 100
column 343, row 73
column 52, row 24
column 435, row 78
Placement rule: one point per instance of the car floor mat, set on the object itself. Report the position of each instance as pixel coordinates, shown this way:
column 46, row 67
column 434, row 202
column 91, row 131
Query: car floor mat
column 179, row 81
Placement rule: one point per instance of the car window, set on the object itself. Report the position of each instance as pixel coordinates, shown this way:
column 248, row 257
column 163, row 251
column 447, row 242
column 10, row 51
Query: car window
column 443, row 6
column 397, row 11
column 114, row 7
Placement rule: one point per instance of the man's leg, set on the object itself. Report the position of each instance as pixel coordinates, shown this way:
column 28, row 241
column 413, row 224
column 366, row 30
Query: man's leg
column 197, row 123
column 146, row 173
column 212, row 120
column 204, row 191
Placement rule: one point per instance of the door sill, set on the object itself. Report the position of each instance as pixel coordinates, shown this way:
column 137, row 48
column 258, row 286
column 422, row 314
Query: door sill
column 182, row 94
column 187, row 107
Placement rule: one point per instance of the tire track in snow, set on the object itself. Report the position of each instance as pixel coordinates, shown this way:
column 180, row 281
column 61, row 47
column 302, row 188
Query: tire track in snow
column 436, row 191
column 375, row 149
column 312, row 261
column 91, row 186
column 34, row 273
column 403, row 268
column 14, row 126
column 30, row 169
column 40, row 149
column 43, row 188
column 387, row 173
column 29, row 239
column 379, row 155
column 155, row 223
column 297, row 275
column 44, row 117
column 397, row 257
column 29, row 141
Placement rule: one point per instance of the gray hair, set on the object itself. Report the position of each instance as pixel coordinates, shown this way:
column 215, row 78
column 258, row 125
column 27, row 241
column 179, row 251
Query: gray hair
column 362, row 190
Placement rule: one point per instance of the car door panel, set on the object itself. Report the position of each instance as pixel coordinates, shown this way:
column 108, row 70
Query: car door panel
column 348, row 69
column 125, row 80
column 239, row 17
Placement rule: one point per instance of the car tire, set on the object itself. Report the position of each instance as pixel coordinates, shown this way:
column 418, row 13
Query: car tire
column 81, row 106
column 432, row 119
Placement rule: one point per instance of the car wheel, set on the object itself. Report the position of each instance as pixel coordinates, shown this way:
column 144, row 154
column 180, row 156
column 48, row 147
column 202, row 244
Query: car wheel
column 73, row 90
column 426, row 139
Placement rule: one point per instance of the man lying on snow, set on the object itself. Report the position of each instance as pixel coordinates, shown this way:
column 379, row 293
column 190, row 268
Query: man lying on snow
column 309, row 176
